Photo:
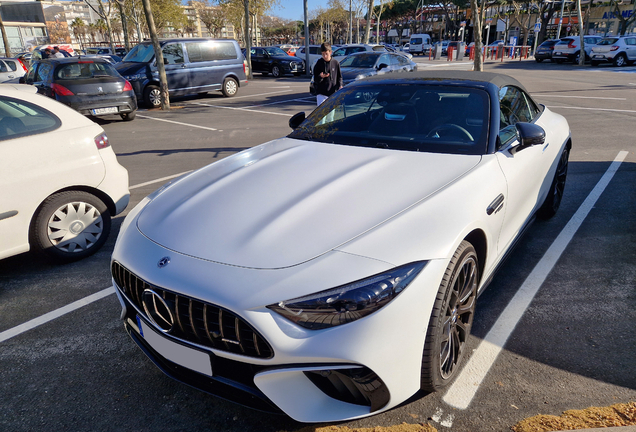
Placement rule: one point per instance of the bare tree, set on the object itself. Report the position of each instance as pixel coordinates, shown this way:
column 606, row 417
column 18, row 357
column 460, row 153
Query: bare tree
column 103, row 10
column 213, row 17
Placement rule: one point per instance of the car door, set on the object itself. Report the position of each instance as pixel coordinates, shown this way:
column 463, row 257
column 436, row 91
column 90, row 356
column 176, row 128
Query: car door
column 177, row 74
column 526, row 171
column 630, row 48
column 258, row 60
column 39, row 75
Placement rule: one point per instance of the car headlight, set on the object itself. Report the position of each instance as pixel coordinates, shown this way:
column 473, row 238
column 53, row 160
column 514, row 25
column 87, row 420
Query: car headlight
column 350, row 302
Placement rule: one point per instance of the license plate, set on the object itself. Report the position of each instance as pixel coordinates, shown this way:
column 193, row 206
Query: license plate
column 109, row 110
column 557, row 53
column 190, row 358
column 598, row 56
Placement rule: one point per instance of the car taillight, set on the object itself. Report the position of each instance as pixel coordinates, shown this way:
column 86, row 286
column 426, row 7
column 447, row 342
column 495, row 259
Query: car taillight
column 571, row 44
column 23, row 65
column 245, row 67
column 60, row 90
column 614, row 47
column 101, row 141
column 128, row 86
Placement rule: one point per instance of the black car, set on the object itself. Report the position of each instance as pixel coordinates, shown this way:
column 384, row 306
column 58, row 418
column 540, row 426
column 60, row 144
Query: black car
column 90, row 86
column 274, row 60
column 369, row 63
column 544, row 51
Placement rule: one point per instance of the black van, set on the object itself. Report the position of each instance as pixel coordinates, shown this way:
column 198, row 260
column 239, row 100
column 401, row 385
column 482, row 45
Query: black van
column 193, row 65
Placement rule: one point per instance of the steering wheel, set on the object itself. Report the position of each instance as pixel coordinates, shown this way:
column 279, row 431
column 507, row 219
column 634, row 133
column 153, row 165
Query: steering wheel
column 451, row 128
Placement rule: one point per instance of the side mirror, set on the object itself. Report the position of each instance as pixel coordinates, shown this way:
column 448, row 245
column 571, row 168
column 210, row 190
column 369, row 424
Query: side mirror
column 296, row 120
column 529, row 135
column 382, row 66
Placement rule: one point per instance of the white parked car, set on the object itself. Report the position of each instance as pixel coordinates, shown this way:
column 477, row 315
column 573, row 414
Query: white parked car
column 333, row 273
column 11, row 69
column 60, row 179
column 569, row 48
column 619, row 51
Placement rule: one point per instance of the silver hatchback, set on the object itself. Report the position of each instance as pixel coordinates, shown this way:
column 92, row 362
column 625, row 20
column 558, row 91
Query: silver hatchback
column 619, row 51
column 569, row 48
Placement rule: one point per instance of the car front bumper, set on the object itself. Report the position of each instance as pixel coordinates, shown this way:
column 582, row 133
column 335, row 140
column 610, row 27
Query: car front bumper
column 345, row 372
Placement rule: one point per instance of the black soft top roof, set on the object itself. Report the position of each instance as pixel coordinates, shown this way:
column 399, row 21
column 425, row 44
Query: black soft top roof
column 450, row 77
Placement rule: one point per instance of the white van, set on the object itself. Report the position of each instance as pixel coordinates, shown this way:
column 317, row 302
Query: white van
column 420, row 44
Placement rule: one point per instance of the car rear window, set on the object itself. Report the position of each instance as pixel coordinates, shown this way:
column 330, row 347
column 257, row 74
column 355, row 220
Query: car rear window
column 19, row 118
column 564, row 41
column 608, row 41
column 84, row 70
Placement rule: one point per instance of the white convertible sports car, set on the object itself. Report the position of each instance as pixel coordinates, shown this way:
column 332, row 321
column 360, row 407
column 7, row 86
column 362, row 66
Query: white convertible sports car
column 333, row 273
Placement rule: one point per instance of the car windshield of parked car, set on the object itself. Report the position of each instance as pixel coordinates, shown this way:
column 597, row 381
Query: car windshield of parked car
column 142, row 53
column 360, row 61
column 409, row 117
column 275, row 51
column 84, row 70
column 608, row 41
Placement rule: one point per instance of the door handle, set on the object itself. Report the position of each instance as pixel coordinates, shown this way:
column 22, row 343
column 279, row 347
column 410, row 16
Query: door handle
column 496, row 205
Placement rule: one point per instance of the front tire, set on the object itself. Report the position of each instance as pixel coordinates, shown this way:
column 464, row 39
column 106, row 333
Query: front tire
column 552, row 202
column 451, row 320
column 230, row 87
column 70, row 226
column 276, row 71
column 152, row 96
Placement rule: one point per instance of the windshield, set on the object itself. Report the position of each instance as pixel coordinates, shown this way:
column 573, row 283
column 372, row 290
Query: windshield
column 142, row 53
column 608, row 41
column 416, row 41
column 274, row 51
column 409, row 117
column 360, row 61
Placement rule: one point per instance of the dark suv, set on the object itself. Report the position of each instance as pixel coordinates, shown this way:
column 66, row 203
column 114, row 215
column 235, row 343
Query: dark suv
column 274, row 60
column 193, row 65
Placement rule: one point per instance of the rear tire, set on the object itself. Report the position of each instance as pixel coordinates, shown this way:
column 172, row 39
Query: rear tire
column 594, row 63
column 230, row 87
column 552, row 202
column 620, row 60
column 70, row 226
column 451, row 320
column 130, row 116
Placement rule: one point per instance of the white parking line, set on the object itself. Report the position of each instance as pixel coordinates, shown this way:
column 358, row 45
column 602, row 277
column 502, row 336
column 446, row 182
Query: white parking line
column 176, row 122
column 242, row 109
column 463, row 390
column 43, row 319
column 591, row 109
column 162, row 179
column 576, row 97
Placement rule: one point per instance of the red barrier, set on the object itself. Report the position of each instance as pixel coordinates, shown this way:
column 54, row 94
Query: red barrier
column 449, row 54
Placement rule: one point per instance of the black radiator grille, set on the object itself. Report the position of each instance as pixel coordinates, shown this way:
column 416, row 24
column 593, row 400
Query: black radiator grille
column 196, row 321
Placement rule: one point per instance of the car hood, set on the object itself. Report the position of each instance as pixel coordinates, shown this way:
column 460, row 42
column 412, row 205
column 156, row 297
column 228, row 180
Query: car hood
column 289, row 201
column 130, row 68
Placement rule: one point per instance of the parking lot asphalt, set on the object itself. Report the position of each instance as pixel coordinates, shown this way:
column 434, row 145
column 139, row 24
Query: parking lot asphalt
column 573, row 347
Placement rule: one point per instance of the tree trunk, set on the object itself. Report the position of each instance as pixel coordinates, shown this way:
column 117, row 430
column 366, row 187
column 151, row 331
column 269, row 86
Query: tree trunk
column 5, row 39
column 163, row 80
column 478, row 64
column 582, row 52
column 248, row 39
column 369, row 16
column 124, row 24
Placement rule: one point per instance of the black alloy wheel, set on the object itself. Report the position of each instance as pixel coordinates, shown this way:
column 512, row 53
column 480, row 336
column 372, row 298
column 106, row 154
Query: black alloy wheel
column 552, row 202
column 451, row 320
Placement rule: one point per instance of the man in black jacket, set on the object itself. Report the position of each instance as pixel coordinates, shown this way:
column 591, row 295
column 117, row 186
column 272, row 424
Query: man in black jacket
column 327, row 75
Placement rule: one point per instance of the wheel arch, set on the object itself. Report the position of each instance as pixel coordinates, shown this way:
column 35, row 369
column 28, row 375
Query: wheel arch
column 477, row 238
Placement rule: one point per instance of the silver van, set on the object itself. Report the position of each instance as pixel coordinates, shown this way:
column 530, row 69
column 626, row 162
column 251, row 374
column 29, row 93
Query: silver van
column 193, row 65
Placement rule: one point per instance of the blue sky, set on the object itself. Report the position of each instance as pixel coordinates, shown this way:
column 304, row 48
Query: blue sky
column 293, row 9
